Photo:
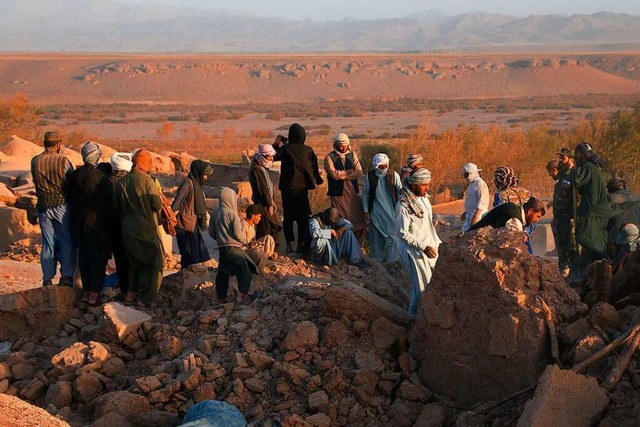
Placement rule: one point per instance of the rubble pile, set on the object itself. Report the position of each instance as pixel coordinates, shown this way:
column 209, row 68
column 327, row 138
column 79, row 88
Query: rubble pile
column 23, row 250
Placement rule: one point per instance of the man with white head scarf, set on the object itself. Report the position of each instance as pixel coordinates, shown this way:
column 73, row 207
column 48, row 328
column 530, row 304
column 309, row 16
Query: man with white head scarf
column 419, row 240
column 343, row 170
column 412, row 164
column 262, row 193
column 90, row 197
column 476, row 200
column 379, row 198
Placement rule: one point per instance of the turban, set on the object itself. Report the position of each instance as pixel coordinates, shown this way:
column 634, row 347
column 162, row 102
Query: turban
column 142, row 161
column 413, row 160
column 504, row 177
column 628, row 234
column 420, row 176
column 297, row 135
column 380, row 159
column 91, row 153
column 341, row 139
column 470, row 168
column 121, row 162
column 260, row 157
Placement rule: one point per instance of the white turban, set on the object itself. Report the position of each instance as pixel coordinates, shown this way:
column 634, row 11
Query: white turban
column 380, row 159
column 420, row 176
column 121, row 162
column 266, row 150
column 341, row 139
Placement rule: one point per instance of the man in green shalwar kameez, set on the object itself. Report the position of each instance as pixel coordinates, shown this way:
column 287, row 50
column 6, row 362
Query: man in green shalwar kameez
column 138, row 202
column 594, row 209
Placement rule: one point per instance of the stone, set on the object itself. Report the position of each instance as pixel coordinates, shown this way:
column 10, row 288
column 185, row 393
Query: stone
column 351, row 300
column 432, row 415
column 295, row 373
column 23, row 370
column 124, row 319
column 112, row 367
column 121, row 402
column 574, row 331
column 336, row 334
column 4, row 385
column 564, row 398
column 5, row 371
column 33, row 390
column 157, row 418
column 332, row 379
column 385, row 333
column 59, row 394
column 112, row 419
column 71, row 358
column 148, row 384
column 206, row 391
column 170, row 347
column 190, row 379
column 247, row 316
column 98, row 352
column 261, row 360
column 304, row 335
column 86, row 388
column 319, row 420
column 369, row 361
column 255, row 384
column 318, row 400
column 605, row 315
column 412, row 391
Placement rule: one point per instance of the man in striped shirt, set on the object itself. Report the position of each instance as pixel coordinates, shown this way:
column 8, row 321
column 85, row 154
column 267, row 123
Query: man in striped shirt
column 50, row 171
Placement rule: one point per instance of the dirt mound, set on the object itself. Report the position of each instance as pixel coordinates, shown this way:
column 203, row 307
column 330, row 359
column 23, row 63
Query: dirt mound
column 18, row 413
column 74, row 157
column 18, row 147
column 3, row 157
column 480, row 333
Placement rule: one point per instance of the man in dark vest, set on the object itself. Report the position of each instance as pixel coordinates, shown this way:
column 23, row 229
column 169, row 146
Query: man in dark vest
column 562, row 222
column 298, row 174
column 512, row 216
column 379, row 198
column 343, row 170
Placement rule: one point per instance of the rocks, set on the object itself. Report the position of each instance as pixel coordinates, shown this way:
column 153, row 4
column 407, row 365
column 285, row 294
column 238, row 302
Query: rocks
column 304, row 335
column 33, row 390
column 123, row 403
column 336, row 334
column 59, row 394
column 564, row 398
column 502, row 350
column 261, row 360
column 318, row 400
column 71, row 358
column 86, row 388
column 148, row 384
column 190, row 380
column 124, row 319
column 5, row 371
column 23, row 370
column 19, row 413
column 352, row 300
column 170, row 347
column 432, row 415
column 112, row 367
column 385, row 333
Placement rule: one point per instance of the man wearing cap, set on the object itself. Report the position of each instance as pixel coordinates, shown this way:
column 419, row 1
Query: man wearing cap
column 191, row 213
column 91, row 197
column 562, row 222
column 476, row 199
column 419, row 240
column 343, row 170
column 379, row 198
column 332, row 238
column 299, row 173
column 50, row 172
column 594, row 209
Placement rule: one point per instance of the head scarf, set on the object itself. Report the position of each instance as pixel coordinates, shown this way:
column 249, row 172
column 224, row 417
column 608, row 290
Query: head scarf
column 629, row 234
column 504, row 177
column 260, row 157
column 472, row 170
column 380, row 159
column 412, row 161
column 91, row 153
column 142, row 161
column 121, row 162
column 420, row 176
column 297, row 135
column 198, row 169
column 408, row 198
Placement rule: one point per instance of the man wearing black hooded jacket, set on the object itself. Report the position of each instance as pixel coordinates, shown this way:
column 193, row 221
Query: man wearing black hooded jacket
column 299, row 173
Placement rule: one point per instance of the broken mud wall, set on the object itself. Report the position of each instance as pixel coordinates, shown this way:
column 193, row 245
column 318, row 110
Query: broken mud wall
column 480, row 334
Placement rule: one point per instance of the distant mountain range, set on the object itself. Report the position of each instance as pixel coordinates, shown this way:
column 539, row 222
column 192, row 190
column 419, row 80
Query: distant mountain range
column 112, row 26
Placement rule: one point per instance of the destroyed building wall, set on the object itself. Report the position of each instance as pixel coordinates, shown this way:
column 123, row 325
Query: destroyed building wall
column 480, row 334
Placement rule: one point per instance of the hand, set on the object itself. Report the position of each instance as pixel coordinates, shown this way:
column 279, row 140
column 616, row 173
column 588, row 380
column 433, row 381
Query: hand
column 431, row 252
column 340, row 231
column 367, row 218
column 334, row 234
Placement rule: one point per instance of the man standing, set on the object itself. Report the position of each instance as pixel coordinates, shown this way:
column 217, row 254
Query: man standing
column 476, row 200
column 343, row 170
column 262, row 194
column 379, row 198
column 91, row 199
column 50, row 172
column 137, row 202
column 298, row 174
column 562, row 222
column 594, row 209
column 419, row 240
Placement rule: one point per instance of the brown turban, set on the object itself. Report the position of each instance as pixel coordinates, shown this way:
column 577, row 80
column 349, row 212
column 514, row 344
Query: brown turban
column 142, row 161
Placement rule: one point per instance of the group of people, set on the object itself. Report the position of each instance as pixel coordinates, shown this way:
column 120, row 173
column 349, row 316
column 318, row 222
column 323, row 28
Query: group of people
column 114, row 210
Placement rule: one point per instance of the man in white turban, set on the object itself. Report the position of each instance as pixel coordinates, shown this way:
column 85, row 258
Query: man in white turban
column 419, row 240
column 379, row 198
column 343, row 170
column 476, row 199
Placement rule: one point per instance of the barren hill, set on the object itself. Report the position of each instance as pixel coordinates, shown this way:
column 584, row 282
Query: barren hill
column 229, row 79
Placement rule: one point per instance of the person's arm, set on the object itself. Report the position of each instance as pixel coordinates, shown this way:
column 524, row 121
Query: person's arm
column 581, row 176
column 317, row 232
column 397, row 182
column 343, row 226
column 314, row 166
column 154, row 195
column 497, row 200
column 279, row 147
column 483, row 202
column 238, row 231
column 356, row 172
column 365, row 198
column 331, row 170
column 404, row 223
column 183, row 192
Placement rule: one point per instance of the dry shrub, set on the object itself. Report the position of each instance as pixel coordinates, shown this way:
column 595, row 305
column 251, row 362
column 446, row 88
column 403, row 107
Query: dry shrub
column 17, row 116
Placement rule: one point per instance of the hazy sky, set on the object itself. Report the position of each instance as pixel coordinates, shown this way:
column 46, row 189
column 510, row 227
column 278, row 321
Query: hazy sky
column 371, row 9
